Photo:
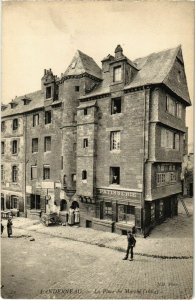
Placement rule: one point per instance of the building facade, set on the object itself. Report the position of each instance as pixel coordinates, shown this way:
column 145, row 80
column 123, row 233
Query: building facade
column 109, row 141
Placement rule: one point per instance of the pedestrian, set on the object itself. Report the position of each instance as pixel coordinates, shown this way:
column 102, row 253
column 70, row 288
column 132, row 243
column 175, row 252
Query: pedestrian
column 77, row 215
column 2, row 228
column 131, row 244
column 9, row 227
column 71, row 216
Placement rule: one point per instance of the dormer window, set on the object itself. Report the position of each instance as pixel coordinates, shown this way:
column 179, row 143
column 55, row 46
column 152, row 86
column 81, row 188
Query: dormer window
column 3, row 107
column 117, row 75
column 26, row 101
column 48, row 92
column 13, row 104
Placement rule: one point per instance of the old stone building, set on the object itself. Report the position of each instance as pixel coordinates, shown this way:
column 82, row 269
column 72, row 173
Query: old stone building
column 109, row 141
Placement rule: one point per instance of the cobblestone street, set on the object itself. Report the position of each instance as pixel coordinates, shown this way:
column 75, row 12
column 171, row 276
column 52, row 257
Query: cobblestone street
column 57, row 267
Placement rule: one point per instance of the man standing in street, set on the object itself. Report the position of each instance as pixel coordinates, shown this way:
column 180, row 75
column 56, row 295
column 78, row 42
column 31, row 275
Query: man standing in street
column 131, row 244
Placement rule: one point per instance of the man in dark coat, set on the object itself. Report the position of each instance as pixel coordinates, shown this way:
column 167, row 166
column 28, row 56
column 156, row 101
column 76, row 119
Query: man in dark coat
column 131, row 244
column 9, row 227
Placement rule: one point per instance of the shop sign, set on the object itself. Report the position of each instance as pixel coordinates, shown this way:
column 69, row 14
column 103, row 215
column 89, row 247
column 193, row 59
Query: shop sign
column 29, row 189
column 121, row 194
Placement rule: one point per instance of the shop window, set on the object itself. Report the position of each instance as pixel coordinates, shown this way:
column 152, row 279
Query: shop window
column 117, row 74
column 85, row 111
column 48, row 117
column 2, row 126
column 84, row 175
column 161, row 208
column 46, row 172
column 35, row 120
column 35, row 202
column 15, row 124
column 77, row 88
column 116, row 106
column 14, row 174
column 108, row 210
column 14, row 147
column 2, row 148
column 114, row 175
column 2, row 173
column 85, row 143
column 48, row 92
column 35, row 145
column 152, row 212
column 33, row 172
column 126, row 213
column 115, row 140
column 47, row 143
column 14, row 202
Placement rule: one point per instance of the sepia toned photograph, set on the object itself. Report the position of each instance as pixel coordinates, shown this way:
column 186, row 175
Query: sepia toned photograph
column 97, row 149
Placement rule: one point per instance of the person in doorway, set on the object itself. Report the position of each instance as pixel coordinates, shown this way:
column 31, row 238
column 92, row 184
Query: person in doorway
column 71, row 216
column 2, row 228
column 131, row 244
column 77, row 215
column 9, row 227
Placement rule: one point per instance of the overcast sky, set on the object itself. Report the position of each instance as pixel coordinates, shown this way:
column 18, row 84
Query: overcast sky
column 37, row 35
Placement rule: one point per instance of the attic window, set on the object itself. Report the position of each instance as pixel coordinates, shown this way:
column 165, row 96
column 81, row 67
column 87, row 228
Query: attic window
column 117, row 75
column 48, row 92
column 26, row 101
column 13, row 104
column 3, row 107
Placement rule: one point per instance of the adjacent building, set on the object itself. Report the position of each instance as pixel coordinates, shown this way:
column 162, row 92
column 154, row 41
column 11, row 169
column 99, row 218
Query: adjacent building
column 108, row 140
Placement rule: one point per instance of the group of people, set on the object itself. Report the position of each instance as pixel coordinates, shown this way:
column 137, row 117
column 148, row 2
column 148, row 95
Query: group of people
column 9, row 228
column 72, row 217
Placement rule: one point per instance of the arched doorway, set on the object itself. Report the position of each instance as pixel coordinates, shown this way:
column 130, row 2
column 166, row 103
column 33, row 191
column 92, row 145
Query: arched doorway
column 63, row 205
column 75, row 204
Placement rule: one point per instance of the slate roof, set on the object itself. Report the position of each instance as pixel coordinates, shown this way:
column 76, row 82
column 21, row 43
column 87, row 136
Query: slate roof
column 37, row 101
column 82, row 63
column 153, row 69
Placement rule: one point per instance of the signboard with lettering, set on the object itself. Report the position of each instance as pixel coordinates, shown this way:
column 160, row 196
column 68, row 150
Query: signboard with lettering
column 129, row 195
column 47, row 185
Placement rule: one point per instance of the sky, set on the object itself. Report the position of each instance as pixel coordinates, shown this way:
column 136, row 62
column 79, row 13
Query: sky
column 40, row 35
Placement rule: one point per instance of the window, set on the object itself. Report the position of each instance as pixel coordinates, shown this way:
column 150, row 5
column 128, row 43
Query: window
column 76, row 88
column 48, row 117
column 46, row 172
column 62, row 162
column 114, row 175
column 115, row 140
column 169, row 139
column 2, row 148
column 179, row 110
column 14, row 147
column 117, row 74
column 35, row 145
column 126, row 213
column 14, row 174
column 74, row 178
column 2, row 126
column 116, row 106
column 176, row 141
column 47, row 144
column 108, row 210
column 35, row 201
column 166, row 174
column 35, row 120
column 33, row 172
column 85, row 143
column 85, row 111
column 14, row 202
column 15, row 124
column 2, row 173
column 84, row 175
column 48, row 92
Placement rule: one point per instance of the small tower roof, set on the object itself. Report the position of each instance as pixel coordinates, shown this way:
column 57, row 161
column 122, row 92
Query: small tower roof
column 118, row 49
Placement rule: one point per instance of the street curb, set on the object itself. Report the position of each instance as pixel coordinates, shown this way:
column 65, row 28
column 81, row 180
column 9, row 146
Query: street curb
column 112, row 248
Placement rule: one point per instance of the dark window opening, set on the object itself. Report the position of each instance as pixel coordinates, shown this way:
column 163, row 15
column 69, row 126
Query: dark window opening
column 15, row 124
column 114, row 175
column 14, row 147
column 48, row 92
column 35, row 145
column 35, row 120
column 2, row 147
column 2, row 126
column 14, row 202
column 116, row 106
column 108, row 210
column 14, row 174
column 2, row 173
column 46, row 172
column 85, row 143
column 47, row 144
column 35, row 202
column 85, row 111
column 48, row 117
column 84, row 175
column 76, row 88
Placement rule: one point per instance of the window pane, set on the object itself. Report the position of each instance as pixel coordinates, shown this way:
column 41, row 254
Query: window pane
column 46, row 173
column 47, row 117
column 35, row 145
column 48, row 92
column 115, row 140
column 47, row 143
column 117, row 74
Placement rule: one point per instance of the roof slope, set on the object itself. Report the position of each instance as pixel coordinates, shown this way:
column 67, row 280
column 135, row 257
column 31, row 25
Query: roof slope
column 82, row 63
column 37, row 101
